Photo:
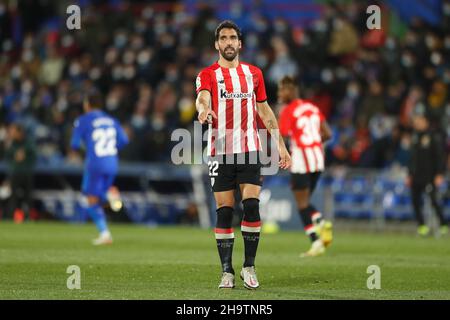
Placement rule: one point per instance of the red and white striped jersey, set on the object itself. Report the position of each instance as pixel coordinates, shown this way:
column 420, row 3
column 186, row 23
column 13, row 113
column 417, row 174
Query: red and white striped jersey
column 234, row 93
column 301, row 120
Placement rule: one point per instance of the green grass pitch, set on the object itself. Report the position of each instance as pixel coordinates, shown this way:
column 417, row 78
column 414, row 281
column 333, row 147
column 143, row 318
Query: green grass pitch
column 182, row 263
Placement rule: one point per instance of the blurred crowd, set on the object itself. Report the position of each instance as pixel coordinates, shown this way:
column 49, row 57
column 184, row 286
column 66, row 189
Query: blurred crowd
column 145, row 58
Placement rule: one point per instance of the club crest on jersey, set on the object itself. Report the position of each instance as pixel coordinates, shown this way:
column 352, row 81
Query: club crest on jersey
column 235, row 95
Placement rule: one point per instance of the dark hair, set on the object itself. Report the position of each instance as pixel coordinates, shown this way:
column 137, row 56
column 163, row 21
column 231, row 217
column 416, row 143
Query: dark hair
column 287, row 80
column 228, row 24
column 94, row 98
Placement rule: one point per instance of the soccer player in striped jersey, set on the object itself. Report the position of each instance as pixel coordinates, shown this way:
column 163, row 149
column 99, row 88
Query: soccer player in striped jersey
column 305, row 125
column 230, row 95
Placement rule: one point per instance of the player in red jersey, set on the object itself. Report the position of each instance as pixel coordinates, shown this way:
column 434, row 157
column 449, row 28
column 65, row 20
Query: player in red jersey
column 305, row 125
column 230, row 94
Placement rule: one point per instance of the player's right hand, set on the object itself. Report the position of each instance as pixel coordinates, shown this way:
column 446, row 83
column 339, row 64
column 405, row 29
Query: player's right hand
column 206, row 116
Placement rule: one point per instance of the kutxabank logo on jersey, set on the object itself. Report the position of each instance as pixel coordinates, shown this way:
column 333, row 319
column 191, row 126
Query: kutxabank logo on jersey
column 235, row 95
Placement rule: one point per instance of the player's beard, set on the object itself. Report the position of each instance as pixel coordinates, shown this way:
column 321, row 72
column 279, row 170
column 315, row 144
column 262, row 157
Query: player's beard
column 229, row 55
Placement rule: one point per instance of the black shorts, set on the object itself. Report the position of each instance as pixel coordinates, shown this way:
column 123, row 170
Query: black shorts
column 305, row 181
column 227, row 172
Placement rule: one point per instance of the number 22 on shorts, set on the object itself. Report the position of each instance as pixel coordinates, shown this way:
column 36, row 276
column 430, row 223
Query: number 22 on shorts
column 213, row 166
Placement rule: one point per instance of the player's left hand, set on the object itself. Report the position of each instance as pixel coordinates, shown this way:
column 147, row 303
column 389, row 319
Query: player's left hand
column 285, row 159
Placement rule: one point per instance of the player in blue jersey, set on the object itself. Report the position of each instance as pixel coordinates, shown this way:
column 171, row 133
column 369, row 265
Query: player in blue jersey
column 102, row 137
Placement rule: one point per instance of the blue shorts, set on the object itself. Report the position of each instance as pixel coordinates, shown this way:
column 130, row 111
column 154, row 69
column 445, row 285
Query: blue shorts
column 97, row 184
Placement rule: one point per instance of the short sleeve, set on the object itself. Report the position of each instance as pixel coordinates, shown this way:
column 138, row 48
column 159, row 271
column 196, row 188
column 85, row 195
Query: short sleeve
column 260, row 89
column 285, row 122
column 122, row 138
column 75, row 142
column 203, row 81
column 321, row 115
